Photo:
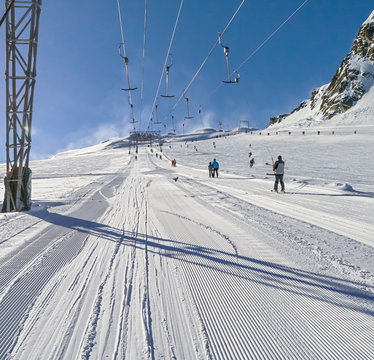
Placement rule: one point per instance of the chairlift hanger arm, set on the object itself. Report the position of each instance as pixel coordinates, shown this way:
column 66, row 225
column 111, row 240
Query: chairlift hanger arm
column 188, row 109
column 167, row 67
column 126, row 61
column 167, row 70
column 226, row 51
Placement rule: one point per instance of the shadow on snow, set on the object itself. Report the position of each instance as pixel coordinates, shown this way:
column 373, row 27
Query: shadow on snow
column 296, row 281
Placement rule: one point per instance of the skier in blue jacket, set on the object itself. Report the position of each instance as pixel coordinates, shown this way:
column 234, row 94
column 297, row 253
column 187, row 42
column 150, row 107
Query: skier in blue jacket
column 215, row 167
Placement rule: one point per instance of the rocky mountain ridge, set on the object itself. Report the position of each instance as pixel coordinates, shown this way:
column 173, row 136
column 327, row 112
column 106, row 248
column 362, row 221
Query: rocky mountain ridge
column 354, row 78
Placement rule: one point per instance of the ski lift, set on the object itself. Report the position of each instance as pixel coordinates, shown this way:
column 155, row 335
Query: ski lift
column 188, row 110
column 226, row 51
column 172, row 121
column 126, row 61
column 132, row 121
column 167, row 70
column 157, row 122
column 200, row 109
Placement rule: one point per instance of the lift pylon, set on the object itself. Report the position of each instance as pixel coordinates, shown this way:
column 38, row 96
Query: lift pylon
column 22, row 29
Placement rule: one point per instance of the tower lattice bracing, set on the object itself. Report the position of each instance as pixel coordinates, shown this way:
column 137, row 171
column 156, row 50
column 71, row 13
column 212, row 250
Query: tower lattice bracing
column 22, row 25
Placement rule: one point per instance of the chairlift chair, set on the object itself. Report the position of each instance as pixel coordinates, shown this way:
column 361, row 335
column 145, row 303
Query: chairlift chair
column 167, row 70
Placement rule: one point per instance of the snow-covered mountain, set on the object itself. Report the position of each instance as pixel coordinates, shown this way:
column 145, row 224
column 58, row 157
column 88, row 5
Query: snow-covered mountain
column 123, row 256
column 353, row 79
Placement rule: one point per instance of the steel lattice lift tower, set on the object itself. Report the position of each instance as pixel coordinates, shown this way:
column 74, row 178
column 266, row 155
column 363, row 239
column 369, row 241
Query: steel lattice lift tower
column 22, row 26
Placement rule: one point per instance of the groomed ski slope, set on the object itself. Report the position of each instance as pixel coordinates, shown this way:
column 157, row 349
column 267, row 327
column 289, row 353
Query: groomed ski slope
column 116, row 260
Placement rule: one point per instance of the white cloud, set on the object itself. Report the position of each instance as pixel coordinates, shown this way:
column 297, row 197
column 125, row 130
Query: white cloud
column 204, row 120
column 101, row 133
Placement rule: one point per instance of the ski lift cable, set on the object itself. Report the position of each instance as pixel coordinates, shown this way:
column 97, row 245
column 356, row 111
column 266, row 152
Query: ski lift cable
column 232, row 18
column 124, row 50
column 167, row 56
column 259, row 47
column 143, row 60
column 129, row 97
column 205, row 60
column 271, row 35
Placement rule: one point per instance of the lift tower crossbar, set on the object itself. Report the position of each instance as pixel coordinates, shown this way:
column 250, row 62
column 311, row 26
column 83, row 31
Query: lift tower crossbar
column 22, row 27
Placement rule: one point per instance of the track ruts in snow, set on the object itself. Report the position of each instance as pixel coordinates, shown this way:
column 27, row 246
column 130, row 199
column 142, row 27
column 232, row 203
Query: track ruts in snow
column 257, row 307
column 51, row 254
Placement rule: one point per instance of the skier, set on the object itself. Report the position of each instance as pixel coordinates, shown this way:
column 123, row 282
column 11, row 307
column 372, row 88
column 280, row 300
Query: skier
column 278, row 169
column 252, row 162
column 210, row 169
column 215, row 167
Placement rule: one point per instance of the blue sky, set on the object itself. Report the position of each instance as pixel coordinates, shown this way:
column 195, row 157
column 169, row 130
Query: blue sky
column 78, row 97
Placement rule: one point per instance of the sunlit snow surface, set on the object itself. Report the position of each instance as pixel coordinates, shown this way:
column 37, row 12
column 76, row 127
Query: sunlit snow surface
column 117, row 260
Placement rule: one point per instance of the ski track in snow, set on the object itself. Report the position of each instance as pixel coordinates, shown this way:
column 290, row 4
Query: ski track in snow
column 292, row 231
column 189, row 269
column 281, row 275
column 50, row 254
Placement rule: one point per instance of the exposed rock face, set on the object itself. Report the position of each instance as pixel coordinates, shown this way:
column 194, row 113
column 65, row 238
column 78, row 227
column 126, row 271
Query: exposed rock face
column 351, row 81
column 355, row 74
column 277, row 119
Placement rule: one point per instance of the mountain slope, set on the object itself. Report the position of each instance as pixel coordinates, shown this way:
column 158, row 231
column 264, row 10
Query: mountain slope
column 353, row 79
column 116, row 260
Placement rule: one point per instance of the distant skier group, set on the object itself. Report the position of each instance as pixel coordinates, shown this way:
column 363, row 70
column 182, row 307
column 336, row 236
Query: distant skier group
column 213, row 168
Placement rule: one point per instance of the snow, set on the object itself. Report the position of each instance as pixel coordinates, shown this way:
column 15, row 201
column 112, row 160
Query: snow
column 117, row 260
column 370, row 19
column 308, row 118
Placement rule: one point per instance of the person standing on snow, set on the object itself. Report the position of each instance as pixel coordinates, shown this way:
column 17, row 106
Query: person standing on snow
column 278, row 169
column 210, row 168
column 215, row 167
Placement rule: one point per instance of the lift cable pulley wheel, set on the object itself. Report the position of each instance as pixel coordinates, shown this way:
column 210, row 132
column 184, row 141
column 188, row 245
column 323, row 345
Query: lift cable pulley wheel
column 167, row 70
column 126, row 62
column 226, row 51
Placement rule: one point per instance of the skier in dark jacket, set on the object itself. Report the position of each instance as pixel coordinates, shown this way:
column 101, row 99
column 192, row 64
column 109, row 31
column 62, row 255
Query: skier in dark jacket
column 210, row 168
column 278, row 168
column 215, row 167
